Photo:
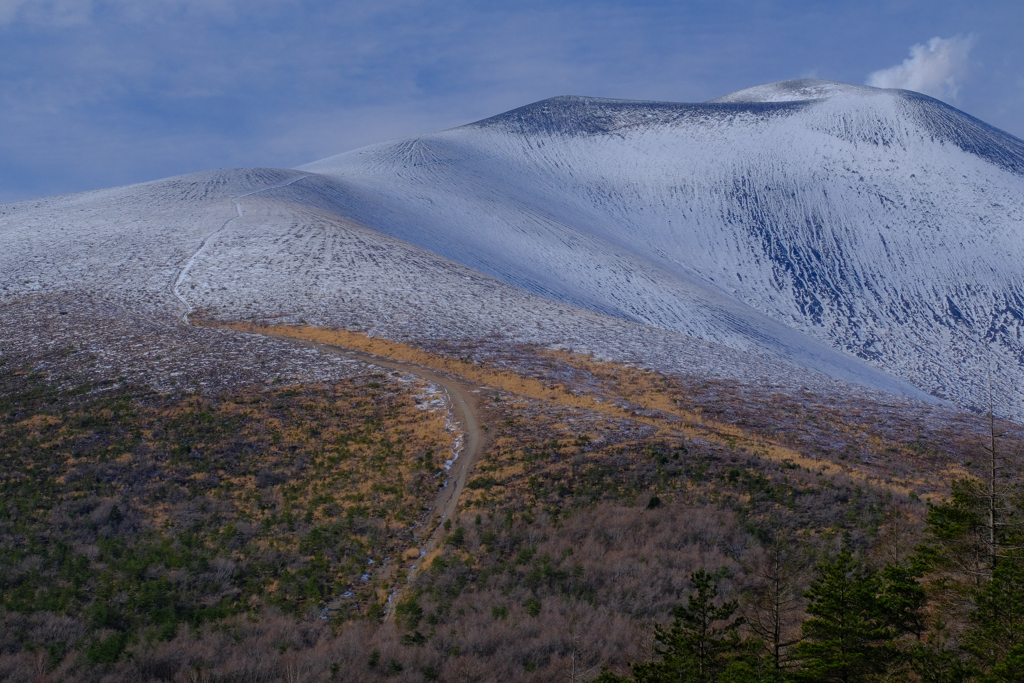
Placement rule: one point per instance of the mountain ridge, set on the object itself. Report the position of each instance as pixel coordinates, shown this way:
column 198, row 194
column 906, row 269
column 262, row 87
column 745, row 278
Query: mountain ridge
column 801, row 178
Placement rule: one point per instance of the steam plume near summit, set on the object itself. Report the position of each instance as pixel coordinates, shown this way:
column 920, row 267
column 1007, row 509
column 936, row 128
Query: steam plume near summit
column 937, row 68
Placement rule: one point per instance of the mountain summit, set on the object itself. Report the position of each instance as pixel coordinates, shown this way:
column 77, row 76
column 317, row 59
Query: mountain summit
column 796, row 91
column 882, row 223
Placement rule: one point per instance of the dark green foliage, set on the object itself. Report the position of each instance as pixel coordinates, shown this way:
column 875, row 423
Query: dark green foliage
column 845, row 628
column 115, row 517
column 902, row 600
column 976, row 554
column 857, row 614
column 996, row 637
column 957, row 531
column 413, row 639
column 457, row 539
column 935, row 660
column 408, row 613
column 484, row 483
column 108, row 650
column 701, row 643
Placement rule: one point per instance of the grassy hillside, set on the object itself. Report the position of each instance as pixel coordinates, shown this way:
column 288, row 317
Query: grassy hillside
column 200, row 535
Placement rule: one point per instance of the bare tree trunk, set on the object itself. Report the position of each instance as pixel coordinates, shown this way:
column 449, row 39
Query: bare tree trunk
column 576, row 667
column 1001, row 517
column 993, row 553
column 774, row 613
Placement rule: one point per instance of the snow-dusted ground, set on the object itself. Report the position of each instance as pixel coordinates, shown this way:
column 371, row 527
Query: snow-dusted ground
column 760, row 239
column 75, row 338
column 882, row 223
column 290, row 263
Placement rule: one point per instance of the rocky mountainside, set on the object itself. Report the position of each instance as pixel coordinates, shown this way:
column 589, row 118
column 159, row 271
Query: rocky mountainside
column 798, row 232
column 882, row 223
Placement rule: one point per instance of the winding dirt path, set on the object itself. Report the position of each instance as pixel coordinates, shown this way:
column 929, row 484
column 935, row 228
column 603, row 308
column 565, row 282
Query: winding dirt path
column 463, row 401
column 465, row 408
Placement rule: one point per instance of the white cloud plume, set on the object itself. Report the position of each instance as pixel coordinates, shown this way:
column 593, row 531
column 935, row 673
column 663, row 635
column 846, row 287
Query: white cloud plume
column 937, row 68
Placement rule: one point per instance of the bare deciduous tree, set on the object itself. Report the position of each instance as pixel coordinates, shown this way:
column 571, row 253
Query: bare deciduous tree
column 776, row 605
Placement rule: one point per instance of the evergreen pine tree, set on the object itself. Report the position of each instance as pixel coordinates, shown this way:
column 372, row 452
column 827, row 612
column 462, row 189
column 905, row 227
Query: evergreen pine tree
column 975, row 555
column 937, row 659
column 701, row 641
column 996, row 637
column 856, row 616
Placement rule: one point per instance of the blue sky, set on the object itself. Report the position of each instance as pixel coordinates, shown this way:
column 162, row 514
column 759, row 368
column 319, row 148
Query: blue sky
column 96, row 93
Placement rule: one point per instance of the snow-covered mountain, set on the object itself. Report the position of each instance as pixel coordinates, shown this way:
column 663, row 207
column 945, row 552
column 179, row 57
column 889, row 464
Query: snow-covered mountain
column 883, row 223
column 874, row 236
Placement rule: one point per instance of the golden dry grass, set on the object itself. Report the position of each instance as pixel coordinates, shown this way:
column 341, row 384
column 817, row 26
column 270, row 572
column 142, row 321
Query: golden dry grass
column 651, row 390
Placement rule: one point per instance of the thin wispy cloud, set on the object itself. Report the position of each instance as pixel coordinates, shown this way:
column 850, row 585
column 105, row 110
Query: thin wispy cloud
column 55, row 13
column 9, row 10
column 65, row 13
column 938, row 68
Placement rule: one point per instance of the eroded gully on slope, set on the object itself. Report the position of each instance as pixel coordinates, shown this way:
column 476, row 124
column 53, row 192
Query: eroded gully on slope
column 202, row 245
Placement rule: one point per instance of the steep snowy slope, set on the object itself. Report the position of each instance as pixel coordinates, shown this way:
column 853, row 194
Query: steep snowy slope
column 236, row 245
column 882, row 223
column 791, row 233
